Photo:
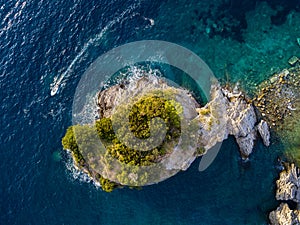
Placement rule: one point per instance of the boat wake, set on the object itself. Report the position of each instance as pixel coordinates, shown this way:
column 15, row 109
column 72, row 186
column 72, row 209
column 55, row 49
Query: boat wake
column 57, row 82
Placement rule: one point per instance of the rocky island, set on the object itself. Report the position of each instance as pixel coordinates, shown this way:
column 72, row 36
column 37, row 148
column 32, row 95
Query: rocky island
column 191, row 131
column 188, row 130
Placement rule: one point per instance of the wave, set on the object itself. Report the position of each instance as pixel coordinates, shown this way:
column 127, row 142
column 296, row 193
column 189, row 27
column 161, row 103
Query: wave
column 12, row 17
column 54, row 87
column 77, row 174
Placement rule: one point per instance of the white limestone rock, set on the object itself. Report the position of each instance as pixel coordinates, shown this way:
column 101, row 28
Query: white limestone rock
column 264, row 132
column 228, row 113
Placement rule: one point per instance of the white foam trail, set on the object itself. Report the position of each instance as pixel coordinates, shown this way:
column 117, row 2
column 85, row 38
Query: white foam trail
column 54, row 87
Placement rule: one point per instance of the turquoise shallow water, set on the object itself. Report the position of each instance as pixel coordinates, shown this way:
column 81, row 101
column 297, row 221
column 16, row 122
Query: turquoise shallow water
column 42, row 39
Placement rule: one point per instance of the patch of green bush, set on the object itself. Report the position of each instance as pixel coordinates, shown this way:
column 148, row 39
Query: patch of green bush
column 105, row 130
column 149, row 107
column 134, row 157
column 69, row 142
column 107, row 185
column 140, row 115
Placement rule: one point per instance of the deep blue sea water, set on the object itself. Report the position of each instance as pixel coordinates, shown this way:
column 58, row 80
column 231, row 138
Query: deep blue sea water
column 41, row 39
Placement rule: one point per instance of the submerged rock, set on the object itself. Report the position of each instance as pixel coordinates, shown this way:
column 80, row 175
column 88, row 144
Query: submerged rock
column 293, row 60
column 278, row 99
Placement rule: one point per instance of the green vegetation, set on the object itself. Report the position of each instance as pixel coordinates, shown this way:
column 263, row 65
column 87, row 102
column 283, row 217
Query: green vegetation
column 105, row 130
column 200, row 150
column 149, row 107
column 107, row 185
column 69, row 142
column 205, row 111
column 134, row 157
column 140, row 116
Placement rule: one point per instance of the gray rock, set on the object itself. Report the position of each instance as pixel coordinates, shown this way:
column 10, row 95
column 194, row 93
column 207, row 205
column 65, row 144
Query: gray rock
column 264, row 132
column 246, row 144
column 228, row 113
column 288, row 184
column 107, row 100
column 293, row 60
column 288, row 189
column 213, row 124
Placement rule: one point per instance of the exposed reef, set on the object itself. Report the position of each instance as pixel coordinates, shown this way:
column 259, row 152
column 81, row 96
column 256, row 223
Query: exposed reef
column 288, row 184
column 283, row 215
column 278, row 103
column 288, row 189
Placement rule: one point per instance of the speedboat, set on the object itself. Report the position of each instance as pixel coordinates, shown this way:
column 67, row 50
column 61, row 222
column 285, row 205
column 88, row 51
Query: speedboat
column 54, row 90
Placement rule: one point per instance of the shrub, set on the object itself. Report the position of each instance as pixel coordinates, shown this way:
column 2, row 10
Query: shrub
column 104, row 129
column 107, row 185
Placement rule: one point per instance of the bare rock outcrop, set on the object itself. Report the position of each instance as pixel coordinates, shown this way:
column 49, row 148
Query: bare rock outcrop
column 107, row 98
column 288, row 189
column 288, row 184
column 229, row 113
column 263, row 130
column 283, row 215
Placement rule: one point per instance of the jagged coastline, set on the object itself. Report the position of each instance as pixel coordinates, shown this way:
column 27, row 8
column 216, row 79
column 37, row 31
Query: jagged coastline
column 228, row 112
